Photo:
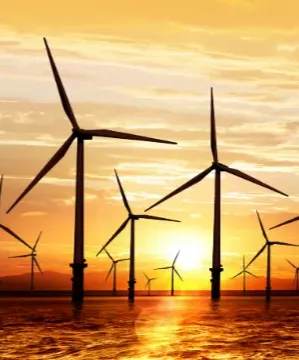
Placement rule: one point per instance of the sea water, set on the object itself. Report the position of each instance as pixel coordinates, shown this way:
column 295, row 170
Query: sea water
column 153, row 328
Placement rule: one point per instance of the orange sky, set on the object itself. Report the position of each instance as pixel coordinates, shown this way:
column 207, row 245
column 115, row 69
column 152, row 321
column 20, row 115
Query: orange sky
column 147, row 70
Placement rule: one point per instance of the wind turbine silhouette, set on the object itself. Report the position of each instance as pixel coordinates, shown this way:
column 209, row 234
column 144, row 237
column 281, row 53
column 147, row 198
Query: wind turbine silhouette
column 216, row 268
column 244, row 272
column 131, row 218
column 173, row 270
column 296, row 274
column 5, row 228
column 33, row 261
column 113, row 267
column 148, row 284
column 81, row 135
column 267, row 245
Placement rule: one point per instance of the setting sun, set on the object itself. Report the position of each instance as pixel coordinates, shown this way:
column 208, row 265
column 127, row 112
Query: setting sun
column 191, row 251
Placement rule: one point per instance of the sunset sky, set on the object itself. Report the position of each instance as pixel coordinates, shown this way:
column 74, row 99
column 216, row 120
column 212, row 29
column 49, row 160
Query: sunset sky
column 147, row 69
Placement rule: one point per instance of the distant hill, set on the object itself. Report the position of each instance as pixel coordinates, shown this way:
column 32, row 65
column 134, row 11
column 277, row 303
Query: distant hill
column 95, row 281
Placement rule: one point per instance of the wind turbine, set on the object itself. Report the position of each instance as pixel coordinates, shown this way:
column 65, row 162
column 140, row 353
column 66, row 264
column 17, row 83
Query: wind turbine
column 267, row 245
column 244, row 272
column 131, row 218
column 113, row 267
column 81, row 135
column 5, row 228
column 148, row 284
column 296, row 274
column 216, row 268
column 33, row 261
column 173, row 270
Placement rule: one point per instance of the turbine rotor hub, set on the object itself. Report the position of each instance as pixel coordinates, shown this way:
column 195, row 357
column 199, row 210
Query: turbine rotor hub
column 80, row 133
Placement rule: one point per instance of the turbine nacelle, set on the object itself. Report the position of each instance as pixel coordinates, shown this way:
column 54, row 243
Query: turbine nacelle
column 81, row 133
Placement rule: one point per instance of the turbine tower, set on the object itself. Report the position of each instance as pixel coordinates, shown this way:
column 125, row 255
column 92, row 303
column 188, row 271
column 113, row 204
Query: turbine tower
column 33, row 261
column 81, row 135
column 216, row 268
column 131, row 218
column 148, row 284
column 267, row 245
column 173, row 270
column 296, row 274
column 113, row 267
column 244, row 272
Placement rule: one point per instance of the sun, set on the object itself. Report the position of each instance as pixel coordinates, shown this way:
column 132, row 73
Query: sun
column 191, row 254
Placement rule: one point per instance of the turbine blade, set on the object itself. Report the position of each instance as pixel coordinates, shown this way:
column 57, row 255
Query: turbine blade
column 257, row 255
column 291, row 264
column 109, row 272
column 213, row 130
column 9, row 231
column 262, row 226
column 175, row 259
column 145, row 275
column 175, row 270
column 37, row 264
column 1, row 185
column 295, row 277
column 151, row 217
column 50, row 164
column 185, row 186
column 62, row 93
column 162, row 268
column 296, row 218
column 153, row 279
column 110, row 257
column 123, row 195
column 119, row 230
column 282, row 243
column 249, row 178
column 19, row 256
column 122, row 135
column 241, row 272
column 123, row 260
column 37, row 240
column 248, row 272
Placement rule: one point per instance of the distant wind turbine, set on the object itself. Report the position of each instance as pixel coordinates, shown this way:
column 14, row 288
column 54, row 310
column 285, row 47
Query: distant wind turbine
column 33, row 261
column 267, row 245
column 173, row 270
column 148, row 283
column 218, row 167
column 81, row 135
column 131, row 218
column 113, row 267
column 244, row 272
column 296, row 274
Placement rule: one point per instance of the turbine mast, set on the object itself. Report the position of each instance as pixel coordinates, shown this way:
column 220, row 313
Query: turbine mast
column 132, row 281
column 268, row 286
column 244, row 276
column 32, row 273
column 216, row 267
column 79, row 262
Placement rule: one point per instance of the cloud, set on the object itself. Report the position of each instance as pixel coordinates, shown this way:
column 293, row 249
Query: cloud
column 33, row 213
column 196, row 215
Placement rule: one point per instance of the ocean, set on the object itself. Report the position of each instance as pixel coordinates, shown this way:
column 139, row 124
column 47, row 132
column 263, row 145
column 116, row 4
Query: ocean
column 153, row 328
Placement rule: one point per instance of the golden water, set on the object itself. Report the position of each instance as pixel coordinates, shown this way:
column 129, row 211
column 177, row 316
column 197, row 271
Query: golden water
column 154, row 328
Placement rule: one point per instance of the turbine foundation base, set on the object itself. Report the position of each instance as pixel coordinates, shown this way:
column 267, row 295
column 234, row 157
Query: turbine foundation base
column 215, row 282
column 268, row 293
column 78, row 281
column 131, row 290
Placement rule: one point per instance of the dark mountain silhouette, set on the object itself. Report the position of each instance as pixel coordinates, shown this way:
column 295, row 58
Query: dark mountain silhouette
column 96, row 281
